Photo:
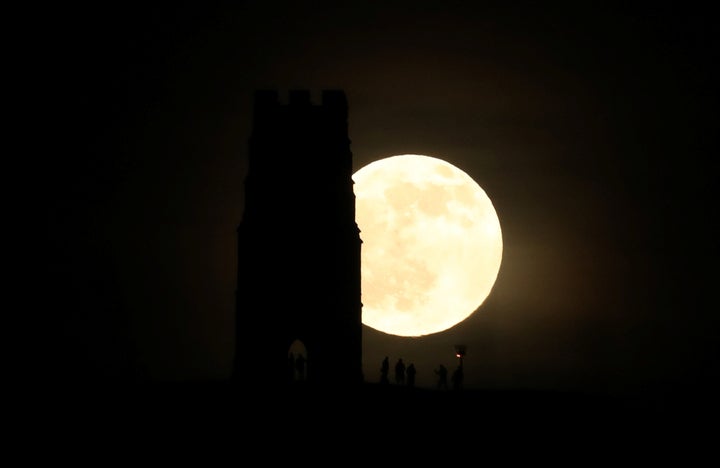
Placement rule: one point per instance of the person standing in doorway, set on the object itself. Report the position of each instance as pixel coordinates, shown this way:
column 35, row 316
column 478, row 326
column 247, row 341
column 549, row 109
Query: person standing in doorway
column 300, row 367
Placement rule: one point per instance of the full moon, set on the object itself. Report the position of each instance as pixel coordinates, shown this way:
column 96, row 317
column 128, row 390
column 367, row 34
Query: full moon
column 432, row 244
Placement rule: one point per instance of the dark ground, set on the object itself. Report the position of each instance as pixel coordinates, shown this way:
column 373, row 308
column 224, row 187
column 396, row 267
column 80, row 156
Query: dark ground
column 194, row 416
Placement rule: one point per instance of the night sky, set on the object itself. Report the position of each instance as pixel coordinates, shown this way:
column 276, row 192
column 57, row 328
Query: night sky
column 591, row 129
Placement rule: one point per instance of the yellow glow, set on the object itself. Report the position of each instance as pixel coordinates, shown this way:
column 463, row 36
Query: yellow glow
column 432, row 244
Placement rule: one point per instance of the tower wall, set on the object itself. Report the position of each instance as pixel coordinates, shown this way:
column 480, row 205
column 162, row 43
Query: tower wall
column 299, row 245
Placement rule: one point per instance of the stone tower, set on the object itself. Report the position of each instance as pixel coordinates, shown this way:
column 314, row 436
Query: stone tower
column 299, row 246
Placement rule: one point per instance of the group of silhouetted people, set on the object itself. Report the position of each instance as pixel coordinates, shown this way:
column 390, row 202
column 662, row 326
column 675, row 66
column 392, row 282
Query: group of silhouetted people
column 405, row 375
column 456, row 378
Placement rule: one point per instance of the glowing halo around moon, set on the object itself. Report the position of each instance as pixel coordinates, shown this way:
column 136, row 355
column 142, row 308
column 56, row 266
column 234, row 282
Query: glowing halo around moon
column 432, row 244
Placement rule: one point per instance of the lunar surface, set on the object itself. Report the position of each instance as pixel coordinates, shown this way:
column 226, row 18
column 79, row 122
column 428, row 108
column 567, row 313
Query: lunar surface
column 432, row 244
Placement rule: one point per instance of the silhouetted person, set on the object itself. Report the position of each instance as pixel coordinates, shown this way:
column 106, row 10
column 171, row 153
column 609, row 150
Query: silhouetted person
column 457, row 378
column 400, row 372
column 384, row 371
column 291, row 367
column 300, row 367
column 442, row 377
column 410, row 371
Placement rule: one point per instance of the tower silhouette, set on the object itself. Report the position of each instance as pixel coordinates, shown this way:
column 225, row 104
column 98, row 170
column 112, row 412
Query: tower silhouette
column 299, row 245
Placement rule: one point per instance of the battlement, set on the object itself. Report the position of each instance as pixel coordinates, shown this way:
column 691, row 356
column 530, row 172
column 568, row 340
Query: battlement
column 329, row 98
column 299, row 111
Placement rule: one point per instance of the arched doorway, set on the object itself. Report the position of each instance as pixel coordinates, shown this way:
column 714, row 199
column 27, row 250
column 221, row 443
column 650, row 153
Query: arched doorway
column 297, row 362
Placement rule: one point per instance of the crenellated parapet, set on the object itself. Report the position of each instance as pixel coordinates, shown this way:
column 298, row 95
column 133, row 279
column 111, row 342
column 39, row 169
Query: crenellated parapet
column 331, row 99
column 271, row 109
column 293, row 131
